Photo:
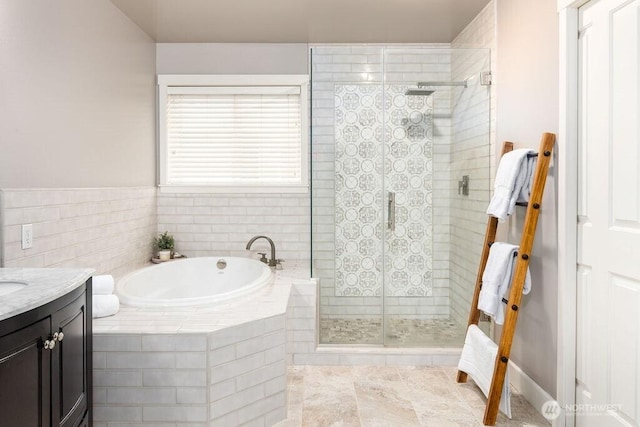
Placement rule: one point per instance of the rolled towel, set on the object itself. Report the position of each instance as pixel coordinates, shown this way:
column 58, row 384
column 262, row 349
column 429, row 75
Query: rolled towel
column 105, row 305
column 103, row 285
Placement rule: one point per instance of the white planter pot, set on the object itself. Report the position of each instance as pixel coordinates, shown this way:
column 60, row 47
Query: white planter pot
column 164, row 255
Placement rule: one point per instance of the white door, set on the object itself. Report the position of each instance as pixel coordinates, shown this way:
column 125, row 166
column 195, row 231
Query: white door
column 608, row 323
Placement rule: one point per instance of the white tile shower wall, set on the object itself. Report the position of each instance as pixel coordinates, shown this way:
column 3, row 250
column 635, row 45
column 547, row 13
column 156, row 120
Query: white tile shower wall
column 362, row 64
column 474, row 126
column 108, row 229
column 221, row 224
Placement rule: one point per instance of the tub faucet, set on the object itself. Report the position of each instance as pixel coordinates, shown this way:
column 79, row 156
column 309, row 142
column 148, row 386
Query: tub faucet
column 273, row 261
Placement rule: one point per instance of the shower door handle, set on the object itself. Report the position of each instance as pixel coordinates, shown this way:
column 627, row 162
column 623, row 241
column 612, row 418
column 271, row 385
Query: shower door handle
column 391, row 211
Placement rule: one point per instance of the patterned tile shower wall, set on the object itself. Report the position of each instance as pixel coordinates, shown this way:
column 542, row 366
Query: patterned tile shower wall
column 370, row 158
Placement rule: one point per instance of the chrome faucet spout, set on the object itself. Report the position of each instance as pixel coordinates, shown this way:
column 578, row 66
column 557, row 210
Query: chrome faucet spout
column 272, row 261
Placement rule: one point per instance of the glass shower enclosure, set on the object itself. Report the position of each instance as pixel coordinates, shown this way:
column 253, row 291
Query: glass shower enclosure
column 400, row 149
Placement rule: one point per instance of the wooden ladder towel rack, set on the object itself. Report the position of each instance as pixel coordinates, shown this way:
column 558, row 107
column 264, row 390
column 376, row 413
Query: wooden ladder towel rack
column 517, row 282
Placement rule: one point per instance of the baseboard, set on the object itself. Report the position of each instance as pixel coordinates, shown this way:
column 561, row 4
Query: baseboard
column 531, row 391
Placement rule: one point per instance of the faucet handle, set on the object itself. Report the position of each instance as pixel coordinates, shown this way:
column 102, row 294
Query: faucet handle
column 263, row 258
column 278, row 264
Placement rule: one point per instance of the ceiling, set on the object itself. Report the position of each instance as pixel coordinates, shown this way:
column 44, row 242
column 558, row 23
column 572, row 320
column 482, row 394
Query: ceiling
column 301, row 21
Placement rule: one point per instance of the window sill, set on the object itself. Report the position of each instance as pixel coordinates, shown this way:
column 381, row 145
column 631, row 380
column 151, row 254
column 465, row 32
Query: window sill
column 237, row 189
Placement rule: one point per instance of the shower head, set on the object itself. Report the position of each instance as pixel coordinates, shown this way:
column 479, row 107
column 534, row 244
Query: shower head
column 418, row 92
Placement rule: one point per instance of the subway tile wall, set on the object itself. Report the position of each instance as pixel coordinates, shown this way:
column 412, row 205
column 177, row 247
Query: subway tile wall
column 108, row 229
column 206, row 224
column 146, row 378
column 247, row 373
column 234, row 376
column 470, row 155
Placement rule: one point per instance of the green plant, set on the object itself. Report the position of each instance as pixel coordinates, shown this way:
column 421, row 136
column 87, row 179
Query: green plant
column 165, row 242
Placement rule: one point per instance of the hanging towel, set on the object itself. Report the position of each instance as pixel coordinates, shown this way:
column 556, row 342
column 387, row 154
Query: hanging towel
column 496, row 280
column 525, row 192
column 105, row 305
column 102, row 285
column 477, row 359
column 512, row 184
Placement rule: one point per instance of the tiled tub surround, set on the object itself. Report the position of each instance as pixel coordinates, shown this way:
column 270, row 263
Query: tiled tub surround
column 218, row 365
column 108, row 229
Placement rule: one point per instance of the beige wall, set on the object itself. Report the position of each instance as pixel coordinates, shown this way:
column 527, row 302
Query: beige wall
column 78, row 96
column 527, row 105
column 232, row 58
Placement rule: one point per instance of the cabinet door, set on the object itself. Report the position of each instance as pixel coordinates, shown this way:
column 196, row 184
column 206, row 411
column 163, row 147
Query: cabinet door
column 25, row 372
column 69, row 364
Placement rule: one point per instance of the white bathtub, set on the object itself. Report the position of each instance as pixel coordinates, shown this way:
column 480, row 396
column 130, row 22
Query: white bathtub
column 192, row 282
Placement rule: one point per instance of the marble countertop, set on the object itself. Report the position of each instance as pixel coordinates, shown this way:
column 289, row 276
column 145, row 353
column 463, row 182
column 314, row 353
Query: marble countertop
column 43, row 285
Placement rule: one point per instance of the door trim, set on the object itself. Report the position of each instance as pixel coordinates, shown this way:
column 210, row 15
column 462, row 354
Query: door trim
column 567, row 175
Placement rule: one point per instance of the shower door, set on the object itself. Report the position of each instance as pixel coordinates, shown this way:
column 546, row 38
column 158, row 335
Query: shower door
column 382, row 189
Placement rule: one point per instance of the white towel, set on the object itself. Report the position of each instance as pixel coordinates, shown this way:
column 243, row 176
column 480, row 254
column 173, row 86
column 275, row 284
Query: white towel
column 477, row 359
column 513, row 183
column 525, row 192
column 102, row 285
column 105, row 305
column 496, row 280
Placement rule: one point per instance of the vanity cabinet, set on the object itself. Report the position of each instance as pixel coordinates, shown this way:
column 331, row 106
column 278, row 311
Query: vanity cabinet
column 45, row 364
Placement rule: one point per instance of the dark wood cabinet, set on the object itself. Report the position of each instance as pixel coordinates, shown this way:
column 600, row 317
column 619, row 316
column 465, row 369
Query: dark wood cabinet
column 45, row 364
column 25, row 376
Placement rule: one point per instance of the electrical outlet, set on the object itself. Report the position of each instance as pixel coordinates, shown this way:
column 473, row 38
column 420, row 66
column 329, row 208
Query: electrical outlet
column 27, row 236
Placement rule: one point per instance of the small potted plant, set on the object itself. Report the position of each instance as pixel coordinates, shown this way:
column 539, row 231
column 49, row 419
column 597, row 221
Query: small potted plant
column 165, row 245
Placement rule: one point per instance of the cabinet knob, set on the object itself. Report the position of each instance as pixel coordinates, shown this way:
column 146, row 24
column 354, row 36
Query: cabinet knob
column 49, row 344
column 60, row 336
column 55, row 336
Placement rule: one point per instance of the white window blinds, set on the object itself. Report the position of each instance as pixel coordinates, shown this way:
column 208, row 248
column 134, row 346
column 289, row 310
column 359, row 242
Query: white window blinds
column 234, row 136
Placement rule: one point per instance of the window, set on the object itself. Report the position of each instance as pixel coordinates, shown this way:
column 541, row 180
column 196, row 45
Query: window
column 233, row 133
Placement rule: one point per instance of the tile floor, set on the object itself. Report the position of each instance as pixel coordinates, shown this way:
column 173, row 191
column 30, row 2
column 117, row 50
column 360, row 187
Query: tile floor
column 391, row 396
